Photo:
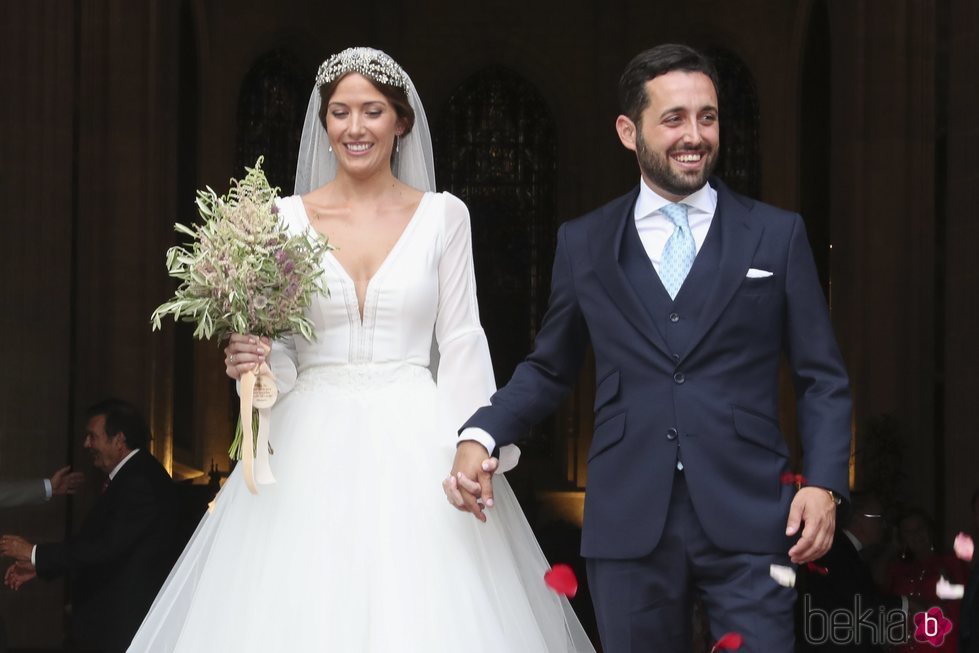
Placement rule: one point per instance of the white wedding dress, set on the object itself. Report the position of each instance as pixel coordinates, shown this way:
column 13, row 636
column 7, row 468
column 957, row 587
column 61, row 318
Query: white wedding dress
column 355, row 548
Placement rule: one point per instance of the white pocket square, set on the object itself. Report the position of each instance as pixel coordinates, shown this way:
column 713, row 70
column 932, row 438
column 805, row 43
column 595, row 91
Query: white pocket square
column 755, row 273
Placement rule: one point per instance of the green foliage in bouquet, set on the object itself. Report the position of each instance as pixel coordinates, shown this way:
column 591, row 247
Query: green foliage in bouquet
column 234, row 451
column 243, row 272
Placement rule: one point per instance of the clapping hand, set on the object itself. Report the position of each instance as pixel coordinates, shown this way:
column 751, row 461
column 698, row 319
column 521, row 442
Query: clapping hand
column 16, row 547
column 19, row 573
column 64, row 481
column 470, row 485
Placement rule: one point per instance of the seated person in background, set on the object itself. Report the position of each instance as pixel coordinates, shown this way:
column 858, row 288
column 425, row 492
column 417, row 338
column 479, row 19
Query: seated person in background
column 847, row 584
column 39, row 490
column 125, row 547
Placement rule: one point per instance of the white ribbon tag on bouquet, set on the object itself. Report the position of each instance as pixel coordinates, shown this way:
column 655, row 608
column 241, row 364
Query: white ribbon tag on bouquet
column 257, row 391
column 266, row 392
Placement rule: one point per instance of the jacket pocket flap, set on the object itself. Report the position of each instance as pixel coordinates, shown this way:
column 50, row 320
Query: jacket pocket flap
column 606, row 434
column 760, row 430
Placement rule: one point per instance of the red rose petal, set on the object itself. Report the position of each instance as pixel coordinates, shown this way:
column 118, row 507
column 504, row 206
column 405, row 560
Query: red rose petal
column 728, row 642
column 562, row 580
column 812, row 566
column 788, row 478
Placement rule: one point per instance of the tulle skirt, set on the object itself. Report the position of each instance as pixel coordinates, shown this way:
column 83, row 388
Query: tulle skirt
column 355, row 547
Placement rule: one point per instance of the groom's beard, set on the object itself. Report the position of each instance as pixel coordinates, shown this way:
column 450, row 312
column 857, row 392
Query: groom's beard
column 659, row 168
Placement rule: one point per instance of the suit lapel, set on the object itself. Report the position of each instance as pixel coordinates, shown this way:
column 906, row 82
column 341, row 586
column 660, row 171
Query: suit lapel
column 738, row 241
column 607, row 236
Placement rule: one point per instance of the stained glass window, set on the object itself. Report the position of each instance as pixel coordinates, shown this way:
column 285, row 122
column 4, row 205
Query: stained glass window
column 496, row 151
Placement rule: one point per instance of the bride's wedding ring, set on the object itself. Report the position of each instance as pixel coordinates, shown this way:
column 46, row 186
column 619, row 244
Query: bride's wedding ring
column 231, row 358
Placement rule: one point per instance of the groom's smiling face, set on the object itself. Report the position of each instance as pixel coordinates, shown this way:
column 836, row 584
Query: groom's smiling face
column 677, row 137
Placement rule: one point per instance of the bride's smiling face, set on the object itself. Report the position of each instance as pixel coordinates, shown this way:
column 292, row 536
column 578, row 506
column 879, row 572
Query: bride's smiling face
column 362, row 125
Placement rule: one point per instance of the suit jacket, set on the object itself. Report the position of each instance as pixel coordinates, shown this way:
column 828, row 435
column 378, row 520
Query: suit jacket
column 696, row 378
column 19, row 493
column 120, row 556
column 847, row 577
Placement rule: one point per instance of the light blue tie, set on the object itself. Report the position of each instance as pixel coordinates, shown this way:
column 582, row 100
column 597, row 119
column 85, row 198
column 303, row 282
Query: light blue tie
column 680, row 250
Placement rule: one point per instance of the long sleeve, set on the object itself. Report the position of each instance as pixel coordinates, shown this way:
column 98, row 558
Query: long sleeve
column 284, row 362
column 19, row 493
column 822, row 388
column 541, row 382
column 465, row 371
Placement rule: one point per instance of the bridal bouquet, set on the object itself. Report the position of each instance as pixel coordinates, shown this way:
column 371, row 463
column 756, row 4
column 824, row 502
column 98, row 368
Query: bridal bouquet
column 242, row 272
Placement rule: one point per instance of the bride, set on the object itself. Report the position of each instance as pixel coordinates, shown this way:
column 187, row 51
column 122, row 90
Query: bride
column 354, row 549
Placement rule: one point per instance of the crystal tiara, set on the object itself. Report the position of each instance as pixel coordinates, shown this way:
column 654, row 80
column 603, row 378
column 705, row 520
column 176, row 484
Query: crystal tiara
column 368, row 62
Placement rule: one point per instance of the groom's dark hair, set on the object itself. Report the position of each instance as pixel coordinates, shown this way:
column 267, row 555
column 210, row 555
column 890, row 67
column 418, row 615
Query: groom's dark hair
column 652, row 63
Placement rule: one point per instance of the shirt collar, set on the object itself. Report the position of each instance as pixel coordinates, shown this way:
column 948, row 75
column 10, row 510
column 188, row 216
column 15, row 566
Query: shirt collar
column 703, row 200
column 115, row 470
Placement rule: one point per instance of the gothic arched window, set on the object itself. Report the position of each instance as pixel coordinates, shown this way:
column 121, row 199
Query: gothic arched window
column 496, row 150
column 271, row 108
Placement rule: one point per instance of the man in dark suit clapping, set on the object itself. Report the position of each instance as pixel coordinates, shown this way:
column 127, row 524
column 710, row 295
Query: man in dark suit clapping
column 124, row 550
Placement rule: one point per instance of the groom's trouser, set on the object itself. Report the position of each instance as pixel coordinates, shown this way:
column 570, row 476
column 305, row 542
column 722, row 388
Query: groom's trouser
column 643, row 605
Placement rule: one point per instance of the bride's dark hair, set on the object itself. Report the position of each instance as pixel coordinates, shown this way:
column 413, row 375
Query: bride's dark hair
column 394, row 94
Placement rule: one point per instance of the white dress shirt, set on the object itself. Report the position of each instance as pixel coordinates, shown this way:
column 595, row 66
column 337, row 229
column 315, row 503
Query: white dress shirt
column 654, row 230
column 115, row 470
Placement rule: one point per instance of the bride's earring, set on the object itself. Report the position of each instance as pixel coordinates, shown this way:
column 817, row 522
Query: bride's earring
column 397, row 144
column 331, row 148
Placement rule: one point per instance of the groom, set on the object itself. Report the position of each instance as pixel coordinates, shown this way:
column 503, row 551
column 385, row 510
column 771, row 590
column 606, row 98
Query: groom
column 689, row 295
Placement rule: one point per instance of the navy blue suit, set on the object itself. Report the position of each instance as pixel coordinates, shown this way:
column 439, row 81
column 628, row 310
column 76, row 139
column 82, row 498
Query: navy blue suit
column 695, row 379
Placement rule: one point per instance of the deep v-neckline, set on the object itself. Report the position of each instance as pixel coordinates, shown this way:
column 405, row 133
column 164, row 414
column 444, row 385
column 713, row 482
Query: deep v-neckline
column 362, row 308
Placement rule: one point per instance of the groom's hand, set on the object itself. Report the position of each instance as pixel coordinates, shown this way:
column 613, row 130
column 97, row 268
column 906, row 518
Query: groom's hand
column 470, row 485
column 815, row 508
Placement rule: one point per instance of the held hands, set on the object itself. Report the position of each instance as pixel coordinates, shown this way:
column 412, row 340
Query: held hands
column 245, row 353
column 64, row 481
column 19, row 573
column 472, row 461
column 16, row 547
column 815, row 507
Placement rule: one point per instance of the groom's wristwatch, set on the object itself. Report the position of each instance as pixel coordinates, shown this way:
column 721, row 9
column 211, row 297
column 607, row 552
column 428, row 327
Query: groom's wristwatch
column 837, row 499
